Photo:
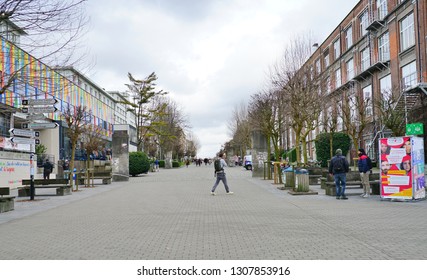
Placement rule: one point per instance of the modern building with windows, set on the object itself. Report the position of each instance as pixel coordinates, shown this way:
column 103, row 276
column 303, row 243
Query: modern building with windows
column 377, row 52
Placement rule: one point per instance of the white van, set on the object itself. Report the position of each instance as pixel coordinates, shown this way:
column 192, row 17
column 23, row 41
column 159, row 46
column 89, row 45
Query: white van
column 247, row 162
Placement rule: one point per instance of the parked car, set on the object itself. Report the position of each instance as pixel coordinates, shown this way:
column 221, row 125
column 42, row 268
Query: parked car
column 247, row 160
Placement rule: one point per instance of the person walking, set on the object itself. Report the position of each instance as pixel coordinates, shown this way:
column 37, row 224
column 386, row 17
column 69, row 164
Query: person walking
column 338, row 168
column 47, row 169
column 219, row 165
column 365, row 167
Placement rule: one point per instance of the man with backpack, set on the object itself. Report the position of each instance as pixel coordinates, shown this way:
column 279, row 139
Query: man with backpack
column 365, row 166
column 219, row 165
column 338, row 168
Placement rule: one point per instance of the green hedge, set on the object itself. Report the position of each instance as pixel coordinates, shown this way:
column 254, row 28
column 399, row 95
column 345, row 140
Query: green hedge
column 161, row 163
column 340, row 141
column 175, row 164
column 292, row 155
column 138, row 163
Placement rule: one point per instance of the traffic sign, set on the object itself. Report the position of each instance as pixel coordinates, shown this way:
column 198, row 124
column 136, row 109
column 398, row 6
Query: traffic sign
column 35, row 110
column 39, row 125
column 19, row 140
column 23, row 132
column 32, row 102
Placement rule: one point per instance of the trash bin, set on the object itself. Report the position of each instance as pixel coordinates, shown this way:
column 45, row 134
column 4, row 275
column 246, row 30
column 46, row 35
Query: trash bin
column 289, row 178
column 301, row 180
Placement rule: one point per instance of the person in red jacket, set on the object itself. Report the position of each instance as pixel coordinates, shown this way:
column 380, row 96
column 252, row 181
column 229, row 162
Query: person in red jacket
column 364, row 169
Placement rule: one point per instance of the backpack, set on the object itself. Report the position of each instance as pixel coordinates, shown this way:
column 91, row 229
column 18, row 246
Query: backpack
column 369, row 162
column 217, row 165
column 339, row 165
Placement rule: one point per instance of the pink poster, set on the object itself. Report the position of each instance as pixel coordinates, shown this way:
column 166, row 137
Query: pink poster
column 395, row 167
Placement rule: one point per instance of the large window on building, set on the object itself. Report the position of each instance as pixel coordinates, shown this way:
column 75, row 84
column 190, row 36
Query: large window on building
column 337, row 49
column 326, row 59
column 409, row 75
column 407, row 32
column 386, row 88
column 348, row 37
column 328, row 85
column 318, row 67
column 350, row 69
column 364, row 21
column 365, row 59
column 338, row 78
column 367, row 100
column 384, row 47
column 382, row 8
column 352, row 105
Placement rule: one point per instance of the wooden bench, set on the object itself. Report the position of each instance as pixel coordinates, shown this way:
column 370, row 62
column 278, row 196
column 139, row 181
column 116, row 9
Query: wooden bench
column 104, row 176
column 62, row 186
column 7, row 203
column 331, row 189
column 314, row 179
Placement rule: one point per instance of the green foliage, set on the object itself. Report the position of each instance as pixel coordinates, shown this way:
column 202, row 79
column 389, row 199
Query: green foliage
column 175, row 164
column 40, row 149
column 292, row 155
column 339, row 141
column 138, row 163
column 162, row 163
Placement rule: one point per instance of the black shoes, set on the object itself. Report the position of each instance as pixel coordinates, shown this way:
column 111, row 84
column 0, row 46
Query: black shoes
column 342, row 197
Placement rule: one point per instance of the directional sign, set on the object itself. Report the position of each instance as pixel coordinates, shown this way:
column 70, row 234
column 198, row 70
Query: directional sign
column 39, row 125
column 35, row 117
column 32, row 102
column 35, row 110
column 24, row 132
column 20, row 140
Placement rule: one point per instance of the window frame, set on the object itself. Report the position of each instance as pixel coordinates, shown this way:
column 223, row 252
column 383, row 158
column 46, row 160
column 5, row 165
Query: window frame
column 407, row 33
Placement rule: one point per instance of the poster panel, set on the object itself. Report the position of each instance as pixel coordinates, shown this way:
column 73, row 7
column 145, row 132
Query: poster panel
column 396, row 172
column 418, row 171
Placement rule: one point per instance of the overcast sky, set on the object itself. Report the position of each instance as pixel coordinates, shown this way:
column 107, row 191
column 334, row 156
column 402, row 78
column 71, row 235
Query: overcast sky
column 210, row 55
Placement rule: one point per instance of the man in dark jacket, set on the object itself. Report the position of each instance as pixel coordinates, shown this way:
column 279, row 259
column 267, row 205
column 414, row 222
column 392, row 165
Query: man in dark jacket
column 47, row 169
column 364, row 169
column 338, row 168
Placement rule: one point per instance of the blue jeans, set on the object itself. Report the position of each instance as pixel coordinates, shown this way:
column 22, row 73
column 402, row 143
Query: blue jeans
column 340, row 183
column 220, row 176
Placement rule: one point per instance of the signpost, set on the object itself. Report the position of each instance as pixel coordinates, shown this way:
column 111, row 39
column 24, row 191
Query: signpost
column 23, row 132
column 36, row 108
column 44, row 125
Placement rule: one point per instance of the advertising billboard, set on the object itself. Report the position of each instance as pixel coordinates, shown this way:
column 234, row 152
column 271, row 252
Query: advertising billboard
column 402, row 168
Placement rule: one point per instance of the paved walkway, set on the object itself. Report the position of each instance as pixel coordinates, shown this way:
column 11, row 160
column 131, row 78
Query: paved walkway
column 171, row 215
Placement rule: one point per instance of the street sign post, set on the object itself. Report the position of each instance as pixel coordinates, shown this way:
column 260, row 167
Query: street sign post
column 35, row 102
column 48, row 125
column 38, row 110
column 23, row 132
column 29, row 141
column 34, row 117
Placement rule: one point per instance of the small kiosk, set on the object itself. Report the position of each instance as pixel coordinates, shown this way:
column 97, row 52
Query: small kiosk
column 402, row 168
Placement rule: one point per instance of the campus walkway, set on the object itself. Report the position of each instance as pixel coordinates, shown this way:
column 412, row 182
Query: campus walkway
column 171, row 215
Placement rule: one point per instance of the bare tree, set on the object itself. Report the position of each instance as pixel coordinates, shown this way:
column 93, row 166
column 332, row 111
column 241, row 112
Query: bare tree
column 387, row 114
column 52, row 29
column 240, row 129
column 77, row 119
column 93, row 140
column 356, row 112
column 301, row 89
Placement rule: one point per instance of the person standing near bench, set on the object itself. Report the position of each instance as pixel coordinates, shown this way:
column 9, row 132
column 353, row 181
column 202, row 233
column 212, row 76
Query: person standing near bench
column 365, row 166
column 338, row 168
column 47, row 169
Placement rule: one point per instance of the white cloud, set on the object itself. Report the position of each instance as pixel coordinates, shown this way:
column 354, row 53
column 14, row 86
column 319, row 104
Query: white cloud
column 210, row 55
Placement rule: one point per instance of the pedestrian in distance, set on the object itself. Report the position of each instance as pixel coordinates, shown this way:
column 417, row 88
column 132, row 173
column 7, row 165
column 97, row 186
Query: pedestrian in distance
column 338, row 168
column 219, row 165
column 47, row 169
column 365, row 168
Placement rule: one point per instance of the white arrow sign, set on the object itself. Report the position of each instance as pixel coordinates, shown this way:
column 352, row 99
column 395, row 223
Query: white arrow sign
column 35, row 117
column 32, row 102
column 29, row 141
column 35, row 110
column 23, row 132
column 39, row 125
